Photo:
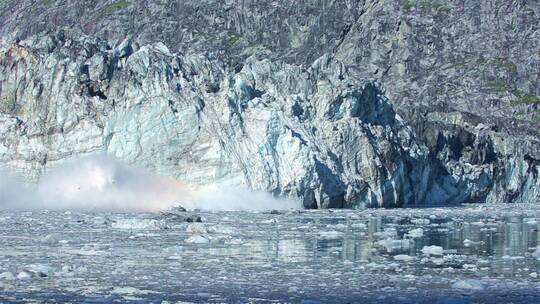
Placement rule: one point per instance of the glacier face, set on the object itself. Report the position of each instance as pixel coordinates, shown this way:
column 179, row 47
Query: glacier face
column 307, row 133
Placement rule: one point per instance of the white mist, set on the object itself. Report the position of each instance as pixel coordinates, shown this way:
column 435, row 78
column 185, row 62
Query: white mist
column 101, row 183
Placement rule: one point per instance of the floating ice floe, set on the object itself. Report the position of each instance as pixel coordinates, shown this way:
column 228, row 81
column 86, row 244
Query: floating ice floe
column 392, row 245
column 23, row 275
column 173, row 250
column 330, row 234
column 388, row 233
column 530, row 221
column 221, row 229
column 197, row 239
column 469, row 266
column 469, row 243
column 196, row 228
column 432, row 250
column 512, row 257
column 68, row 270
column 7, row 276
column 131, row 291
column 479, row 223
column 359, row 226
column 340, row 227
column 234, row 242
column 49, row 239
column 135, row 223
column 35, row 271
column 416, row 233
column 536, row 253
column 469, row 284
column 421, row 221
column 143, row 236
column 86, row 252
column 39, row 270
column 404, row 258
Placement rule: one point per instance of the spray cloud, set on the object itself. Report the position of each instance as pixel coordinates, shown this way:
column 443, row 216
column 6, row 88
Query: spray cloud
column 101, row 183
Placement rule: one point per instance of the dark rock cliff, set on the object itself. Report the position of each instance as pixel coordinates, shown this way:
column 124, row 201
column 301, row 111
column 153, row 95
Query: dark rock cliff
column 340, row 103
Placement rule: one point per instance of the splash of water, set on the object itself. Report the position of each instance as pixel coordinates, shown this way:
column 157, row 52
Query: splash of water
column 101, row 183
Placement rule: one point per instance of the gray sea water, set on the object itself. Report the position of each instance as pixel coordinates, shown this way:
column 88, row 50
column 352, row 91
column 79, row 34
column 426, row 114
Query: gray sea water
column 471, row 254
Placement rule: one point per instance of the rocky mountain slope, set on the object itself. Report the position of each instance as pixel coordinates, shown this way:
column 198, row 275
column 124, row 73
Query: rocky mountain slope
column 339, row 103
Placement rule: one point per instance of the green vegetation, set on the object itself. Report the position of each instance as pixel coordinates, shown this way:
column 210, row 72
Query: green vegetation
column 116, row 6
column 499, row 62
column 522, row 97
column 500, row 86
column 233, row 38
column 435, row 5
column 503, row 63
column 6, row 2
column 7, row 105
column 432, row 5
column 481, row 60
column 408, row 5
column 526, row 98
column 536, row 116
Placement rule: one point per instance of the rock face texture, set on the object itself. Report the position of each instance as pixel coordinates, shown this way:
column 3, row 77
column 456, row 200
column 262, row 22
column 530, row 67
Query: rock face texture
column 338, row 103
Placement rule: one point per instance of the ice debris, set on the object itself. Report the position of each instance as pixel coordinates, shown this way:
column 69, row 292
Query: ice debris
column 469, row 284
column 416, row 233
column 469, row 243
column 403, row 258
column 432, row 250
column 6, row 276
column 196, row 228
column 330, row 234
column 394, row 245
column 536, row 253
column 197, row 239
column 135, row 223
column 131, row 291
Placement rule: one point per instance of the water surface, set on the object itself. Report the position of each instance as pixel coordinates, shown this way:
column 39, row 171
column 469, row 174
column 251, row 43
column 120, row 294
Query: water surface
column 327, row 256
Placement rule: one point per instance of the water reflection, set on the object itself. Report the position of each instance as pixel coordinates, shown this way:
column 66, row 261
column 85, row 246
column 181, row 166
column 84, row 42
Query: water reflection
column 500, row 245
